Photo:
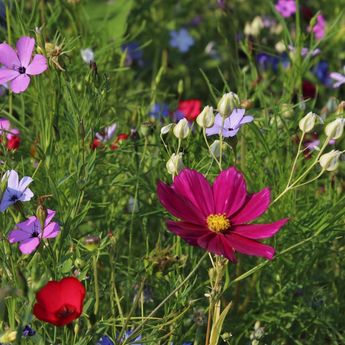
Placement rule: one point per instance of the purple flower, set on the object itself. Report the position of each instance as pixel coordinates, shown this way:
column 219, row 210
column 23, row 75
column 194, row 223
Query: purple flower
column 16, row 190
column 305, row 51
column 159, row 110
column 181, row 40
column 232, row 124
column 28, row 331
column 29, row 233
column 321, row 72
column 286, row 7
column 338, row 78
column 320, row 27
column 5, row 129
column 105, row 340
column 133, row 53
column 107, row 134
column 18, row 64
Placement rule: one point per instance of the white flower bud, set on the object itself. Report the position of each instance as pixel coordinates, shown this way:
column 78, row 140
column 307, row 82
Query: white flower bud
column 166, row 129
column 206, row 118
column 87, row 55
column 181, row 130
column 307, row 123
column 335, row 129
column 330, row 161
column 215, row 148
column 175, row 164
column 228, row 103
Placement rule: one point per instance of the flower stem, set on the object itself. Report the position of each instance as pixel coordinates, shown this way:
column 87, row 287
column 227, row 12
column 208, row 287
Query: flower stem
column 95, row 277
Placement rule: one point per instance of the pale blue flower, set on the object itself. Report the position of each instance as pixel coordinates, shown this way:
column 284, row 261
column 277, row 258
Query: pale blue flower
column 16, row 190
column 181, row 40
column 232, row 124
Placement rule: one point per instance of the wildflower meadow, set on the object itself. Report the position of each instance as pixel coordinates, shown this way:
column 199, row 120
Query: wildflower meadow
column 172, row 172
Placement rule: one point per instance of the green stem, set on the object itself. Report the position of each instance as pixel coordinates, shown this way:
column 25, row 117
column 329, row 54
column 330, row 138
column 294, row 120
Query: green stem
column 95, row 277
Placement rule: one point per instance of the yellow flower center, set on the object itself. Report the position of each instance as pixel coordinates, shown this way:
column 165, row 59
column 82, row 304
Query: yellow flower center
column 218, row 222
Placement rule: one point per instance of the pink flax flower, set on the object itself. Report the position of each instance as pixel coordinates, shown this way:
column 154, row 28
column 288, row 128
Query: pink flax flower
column 286, row 7
column 320, row 27
column 216, row 217
column 30, row 233
column 18, row 65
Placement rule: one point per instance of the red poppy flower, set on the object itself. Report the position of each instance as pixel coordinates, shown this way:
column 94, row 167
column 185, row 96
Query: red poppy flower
column 190, row 108
column 96, row 143
column 60, row 302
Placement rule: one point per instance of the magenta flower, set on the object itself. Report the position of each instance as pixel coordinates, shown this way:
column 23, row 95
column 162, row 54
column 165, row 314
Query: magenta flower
column 286, row 7
column 29, row 233
column 216, row 217
column 5, row 129
column 18, row 65
column 320, row 27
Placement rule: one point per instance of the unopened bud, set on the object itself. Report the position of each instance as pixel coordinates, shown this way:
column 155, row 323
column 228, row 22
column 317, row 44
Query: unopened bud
column 91, row 243
column 8, row 337
column 206, row 118
column 166, row 129
column 307, row 123
column 181, row 130
column 175, row 164
column 215, row 148
column 41, row 214
column 335, row 129
column 330, row 161
column 228, row 103
column 340, row 108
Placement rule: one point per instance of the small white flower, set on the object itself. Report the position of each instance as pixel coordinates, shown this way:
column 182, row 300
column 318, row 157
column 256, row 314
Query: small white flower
column 87, row 55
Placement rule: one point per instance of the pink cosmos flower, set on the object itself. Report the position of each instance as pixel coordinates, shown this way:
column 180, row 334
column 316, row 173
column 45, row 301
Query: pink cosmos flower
column 320, row 27
column 216, row 217
column 29, row 233
column 286, row 7
column 18, row 65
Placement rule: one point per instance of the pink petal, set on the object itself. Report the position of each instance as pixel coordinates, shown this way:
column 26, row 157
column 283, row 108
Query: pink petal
column 18, row 236
column 29, row 245
column 5, row 124
column 217, row 244
column 20, row 84
column 193, row 186
column 229, row 191
column 177, row 205
column 25, row 47
column 259, row 231
column 38, row 65
column 7, row 75
column 50, row 216
column 249, row 247
column 28, row 225
column 189, row 232
column 51, row 231
column 8, row 56
column 255, row 205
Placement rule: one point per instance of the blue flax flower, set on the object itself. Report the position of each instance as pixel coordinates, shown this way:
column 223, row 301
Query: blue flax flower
column 181, row 40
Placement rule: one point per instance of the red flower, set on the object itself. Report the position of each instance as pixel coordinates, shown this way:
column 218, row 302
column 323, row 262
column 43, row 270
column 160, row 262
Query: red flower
column 13, row 143
column 119, row 139
column 308, row 89
column 190, row 108
column 60, row 302
column 216, row 217
column 96, row 143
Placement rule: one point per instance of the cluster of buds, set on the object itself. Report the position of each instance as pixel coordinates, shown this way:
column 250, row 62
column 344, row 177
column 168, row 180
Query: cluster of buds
column 334, row 130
